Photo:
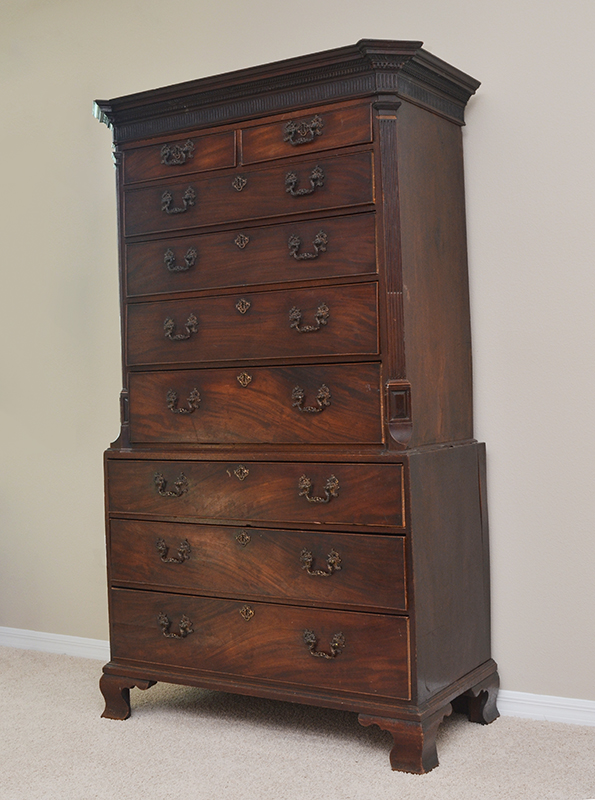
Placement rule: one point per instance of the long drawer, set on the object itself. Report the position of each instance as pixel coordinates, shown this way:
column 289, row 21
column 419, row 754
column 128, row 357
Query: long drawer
column 331, row 182
column 333, row 569
column 368, row 653
column 308, row 494
column 332, row 320
column 304, row 250
column 306, row 404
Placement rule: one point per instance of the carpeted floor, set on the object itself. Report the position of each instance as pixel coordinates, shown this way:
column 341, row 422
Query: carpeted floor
column 189, row 744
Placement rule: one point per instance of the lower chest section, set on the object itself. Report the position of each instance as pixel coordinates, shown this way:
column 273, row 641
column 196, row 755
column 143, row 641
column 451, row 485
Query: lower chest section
column 284, row 574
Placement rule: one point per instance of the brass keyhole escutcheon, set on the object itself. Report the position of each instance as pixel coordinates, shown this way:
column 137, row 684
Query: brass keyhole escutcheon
column 241, row 240
column 244, row 379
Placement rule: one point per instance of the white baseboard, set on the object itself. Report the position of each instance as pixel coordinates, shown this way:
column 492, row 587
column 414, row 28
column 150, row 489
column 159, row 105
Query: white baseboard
column 510, row 704
column 55, row 643
column 546, row 707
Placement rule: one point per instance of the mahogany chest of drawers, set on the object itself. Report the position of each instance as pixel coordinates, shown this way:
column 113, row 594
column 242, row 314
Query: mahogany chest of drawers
column 296, row 504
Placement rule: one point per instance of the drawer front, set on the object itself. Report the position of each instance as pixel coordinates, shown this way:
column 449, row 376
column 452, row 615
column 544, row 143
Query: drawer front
column 195, row 202
column 255, row 325
column 334, row 569
column 298, row 251
column 179, row 156
column 257, row 640
column 307, row 132
column 300, row 493
column 327, row 404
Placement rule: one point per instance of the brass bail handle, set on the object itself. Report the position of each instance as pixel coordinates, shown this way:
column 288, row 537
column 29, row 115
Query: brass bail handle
column 193, row 402
column 333, row 563
column 311, row 642
column 302, row 132
column 185, row 626
column 316, row 179
column 331, row 489
column 323, row 399
column 184, row 551
column 180, row 485
column 188, row 200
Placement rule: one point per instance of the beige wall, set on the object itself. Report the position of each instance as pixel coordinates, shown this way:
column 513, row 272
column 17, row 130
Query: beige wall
column 530, row 164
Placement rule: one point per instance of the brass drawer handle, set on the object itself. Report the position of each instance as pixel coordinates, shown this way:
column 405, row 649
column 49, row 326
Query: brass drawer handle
column 183, row 552
column 322, row 316
column 169, row 327
column 311, row 641
column 188, row 199
column 333, row 563
column 193, row 402
column 320, row 242
column 174, row 154
column 180, row 485
column 331, row 489
column 316, row 182
column 302, row 132
column 184, row 626
column 169, row 260
column 323, row 398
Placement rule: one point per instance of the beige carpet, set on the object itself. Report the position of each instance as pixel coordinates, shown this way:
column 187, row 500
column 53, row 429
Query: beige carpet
column 189, row 744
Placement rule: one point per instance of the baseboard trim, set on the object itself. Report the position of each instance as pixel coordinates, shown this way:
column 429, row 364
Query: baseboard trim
column 510, row 704
column 546, row 707
column 55, row 643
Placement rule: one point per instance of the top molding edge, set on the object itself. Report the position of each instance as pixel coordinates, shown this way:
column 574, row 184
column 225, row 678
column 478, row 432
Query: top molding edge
column 372, row 66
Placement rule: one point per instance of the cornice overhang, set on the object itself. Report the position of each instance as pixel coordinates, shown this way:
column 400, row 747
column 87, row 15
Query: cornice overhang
column 367, row 68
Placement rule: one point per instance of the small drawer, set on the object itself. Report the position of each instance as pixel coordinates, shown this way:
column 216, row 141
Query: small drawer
column 335, row 404
column 179, row 156
column 368, row 653
column 306, row 494
column 250, row 194
column 305, row 250
column 255, row 325
column 307, row 132
column 337, row 569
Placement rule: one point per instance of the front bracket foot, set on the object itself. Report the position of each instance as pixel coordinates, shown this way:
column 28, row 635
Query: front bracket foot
column 414, row 741
column 116, row 692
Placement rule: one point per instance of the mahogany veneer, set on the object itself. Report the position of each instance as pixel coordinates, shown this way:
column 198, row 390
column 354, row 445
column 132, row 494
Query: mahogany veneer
column 259, row 563
column 252, row 255
column 261, row 491
column 347, row 182
column 338, row 403
column 296, row 504
column 255, row 326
